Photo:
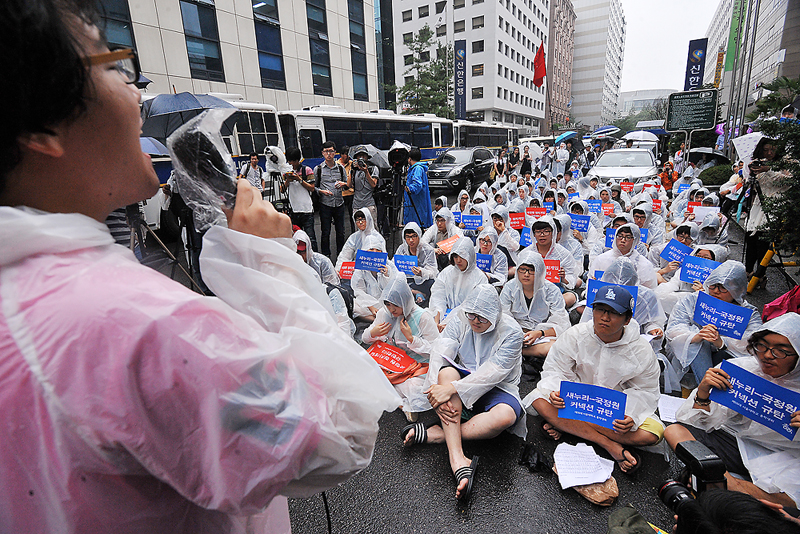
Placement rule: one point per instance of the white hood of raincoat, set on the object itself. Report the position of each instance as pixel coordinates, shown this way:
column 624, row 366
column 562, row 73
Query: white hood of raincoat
column 452, row 285
column 547, row 306
column 356, row 240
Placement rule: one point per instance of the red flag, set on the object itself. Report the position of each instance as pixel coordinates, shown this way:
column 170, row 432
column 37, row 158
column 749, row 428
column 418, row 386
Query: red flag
column 539, row 67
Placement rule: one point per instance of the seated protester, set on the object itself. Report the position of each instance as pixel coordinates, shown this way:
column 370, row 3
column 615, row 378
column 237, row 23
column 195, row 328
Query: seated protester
column 568, row 241
column 443, row 228
column 571, row 190
column 648, row 312
column 487, row 244
column 455, row 282
column 474, row 209
column 607, row 352
column 620, row 197
column 479, row 197
column 766, row 464
column 625, row 243
column 731, row 189
column 368, row 285
column 365, row 227
column 588, row 238
column 438, row 204
column 426, row 270
column 550, row 196
column 599, row 246
column 643, row 217
column 535, row 303
column 687, row 234
column 475, row 366
column 679, row 210
column 674, row 289
column 686, row 178
column 604, row 194
column 523, row 191
column 401, row 322
column 516, row 205
column 696, row 346
column 319, row 262
column 711, row 230
column 462, row 202
column 507, row 237
column 561, row 198
column 545, row 241
column 483, row 210
column 499, row 200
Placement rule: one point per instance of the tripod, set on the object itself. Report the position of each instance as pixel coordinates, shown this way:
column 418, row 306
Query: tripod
column 397, row 204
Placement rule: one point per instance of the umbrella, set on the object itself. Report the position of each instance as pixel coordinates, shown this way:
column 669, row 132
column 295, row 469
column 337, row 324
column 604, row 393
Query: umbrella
column 375, row 156
column 564, row 136
column 166, row 113
column 640, row 135
column 605, row 130
column 696, row 154
column 534, row 150
column 152, row 146
column 745, row 145
column 142, row 82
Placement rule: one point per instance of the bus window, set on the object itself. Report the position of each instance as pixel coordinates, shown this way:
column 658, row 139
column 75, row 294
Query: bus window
column 271, row 127
column 447, row 134
column 245, row 144
column 436, row 137
column 259, row 143
column 256, row 122
column 343, row 132
column 422, row 135
column 289, row 131
column 456, row 136
column 311, row 143
column 228, row 144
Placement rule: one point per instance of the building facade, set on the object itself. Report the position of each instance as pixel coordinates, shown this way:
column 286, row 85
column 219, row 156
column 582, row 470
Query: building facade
column 502, row 37
column 632, row 102
column 288, row 53
column 559, row 62
column 597, row 61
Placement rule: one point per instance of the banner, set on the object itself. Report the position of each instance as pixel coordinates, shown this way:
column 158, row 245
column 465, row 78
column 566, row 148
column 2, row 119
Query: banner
column 733, row 44
column 484, row 262
column 580, row 222
column 346, row 270
column 593, row 404
column 460, row 52
column 718, row 70
column 391, row 358
column 731, row 320
column 610, row 234
column 516, row 220
column 525, row 239
column 457, row 217
column 691, row 206
column 551, row 268
column 696, row 269
column 656, row 204
column 405, row 263
column 695, row 64
column 627, row 187
column 447, row 244
column 675, row 251
column 594, row 286
column 370, row 261
column 644, row 233
column 472, row 222
column 536, row 213
column 595, row 206
column 573, row 195
column 608, row 209
column 758, row 399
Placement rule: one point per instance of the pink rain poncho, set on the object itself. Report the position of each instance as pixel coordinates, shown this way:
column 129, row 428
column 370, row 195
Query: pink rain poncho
column 131, row 404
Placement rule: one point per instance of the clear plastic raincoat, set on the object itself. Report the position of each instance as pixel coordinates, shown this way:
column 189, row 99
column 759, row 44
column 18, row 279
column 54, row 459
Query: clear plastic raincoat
column 493, row 358
column 674, row 289
column 572, row 271
column 546, row 309
column 356, row 239
column 426, row 256
column 453, row 285
column 457, row 206
column 498, row 271
column 569, row 242
column 133, row 404
column 718, row 235
column 368, row 285
column 321, row 264
column 772, row 460
column 429, row 237
column 508, row 238
column 645, row 269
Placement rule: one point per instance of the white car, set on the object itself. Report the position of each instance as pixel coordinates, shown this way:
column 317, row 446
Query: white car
column 625, row 164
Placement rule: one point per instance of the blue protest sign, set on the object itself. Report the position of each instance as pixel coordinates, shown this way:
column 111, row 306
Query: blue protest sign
column 549, row 206
column 405, row 263
column 644, row 233
column 593, row 404
column 580, row 222
column 758, row 399
column 472, row 222
column 367, row 260
column 683, row 187
column 457, row 217
column 573, row 195
column 610, row 234
column 731, row 320
column 595, row 206
column 525, row 239
column 696, row 269
column 484, row 262
column 598, row 274
column 596, row 285
column 675, row 251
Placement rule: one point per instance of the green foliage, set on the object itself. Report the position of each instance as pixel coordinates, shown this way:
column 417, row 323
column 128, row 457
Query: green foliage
column 716, row 175
column 431, row 87
column 784, row 208
column 784, row 91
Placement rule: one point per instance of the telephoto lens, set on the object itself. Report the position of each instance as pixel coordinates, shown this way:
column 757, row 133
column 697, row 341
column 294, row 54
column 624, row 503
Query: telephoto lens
column 672, row 493
column 691, row 517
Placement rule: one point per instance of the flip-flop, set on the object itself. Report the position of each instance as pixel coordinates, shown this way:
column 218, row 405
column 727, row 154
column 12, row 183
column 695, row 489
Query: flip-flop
column 635, row 456
column 420, row 434
column 468, row 473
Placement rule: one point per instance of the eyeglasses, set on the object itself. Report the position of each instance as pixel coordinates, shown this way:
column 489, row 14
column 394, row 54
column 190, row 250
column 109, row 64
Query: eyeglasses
column 624, row 237
column 543, row 232
column 526, row 270
column 780, row 354
column 485, row 241
column 125, row 62
column 328, row 151
column 637, row 216
column 718, row 287
column 476, row 317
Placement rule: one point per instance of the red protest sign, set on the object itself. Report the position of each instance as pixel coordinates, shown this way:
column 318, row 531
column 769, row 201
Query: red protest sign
column 389, row 357
column 346, row 271
column 692, row 205
column 656, row 205
column 608, row 209
column 552, row 266
column 627, row 186
column 536, row 212
column 447, row 244
column 517, row 220
column 649, row 185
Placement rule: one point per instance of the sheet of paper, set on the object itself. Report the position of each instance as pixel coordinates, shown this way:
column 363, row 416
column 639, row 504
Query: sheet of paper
column 578, row 465
column 544, row 340
column 667, row 406
column 648, row 337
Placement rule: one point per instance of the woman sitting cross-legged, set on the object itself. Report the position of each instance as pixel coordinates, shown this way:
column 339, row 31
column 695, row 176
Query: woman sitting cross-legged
column 475, row 366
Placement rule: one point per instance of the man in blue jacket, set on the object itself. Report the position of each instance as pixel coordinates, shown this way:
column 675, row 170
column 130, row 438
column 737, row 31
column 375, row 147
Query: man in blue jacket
column 417, row 197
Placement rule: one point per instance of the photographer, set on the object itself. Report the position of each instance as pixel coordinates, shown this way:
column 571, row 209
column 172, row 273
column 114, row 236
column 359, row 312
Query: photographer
column 756, row 246
column 300, row 184
column 253, row 173
column 362, row 179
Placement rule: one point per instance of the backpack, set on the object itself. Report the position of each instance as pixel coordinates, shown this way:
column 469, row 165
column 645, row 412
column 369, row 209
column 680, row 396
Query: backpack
column 347, row 296
column 318, row 174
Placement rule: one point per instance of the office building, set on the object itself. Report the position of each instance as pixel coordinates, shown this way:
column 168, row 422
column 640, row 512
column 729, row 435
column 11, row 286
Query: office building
column 597, row 61
column 559, row 62
column 633, row 102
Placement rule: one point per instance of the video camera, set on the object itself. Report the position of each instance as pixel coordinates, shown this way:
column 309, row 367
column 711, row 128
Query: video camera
column 398, row 156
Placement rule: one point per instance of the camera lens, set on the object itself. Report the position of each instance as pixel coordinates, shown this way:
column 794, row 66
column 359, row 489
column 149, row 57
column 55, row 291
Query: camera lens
column 672, row 493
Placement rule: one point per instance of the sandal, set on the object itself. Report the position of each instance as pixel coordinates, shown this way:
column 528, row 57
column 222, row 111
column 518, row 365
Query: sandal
column 468, row 473
column 635, row 456
column 420, row 434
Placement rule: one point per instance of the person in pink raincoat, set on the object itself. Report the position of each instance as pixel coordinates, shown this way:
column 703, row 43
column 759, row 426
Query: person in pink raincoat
column 129, row 403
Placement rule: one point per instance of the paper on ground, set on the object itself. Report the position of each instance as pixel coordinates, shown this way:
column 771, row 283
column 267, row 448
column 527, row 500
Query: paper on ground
column 667, row 406
column 578, row 465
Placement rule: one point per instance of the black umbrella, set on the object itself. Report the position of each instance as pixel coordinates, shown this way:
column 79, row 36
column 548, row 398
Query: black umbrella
column 374, row 156
column 166, row 113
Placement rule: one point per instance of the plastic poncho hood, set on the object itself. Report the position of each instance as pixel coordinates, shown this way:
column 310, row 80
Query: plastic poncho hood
column 398, row 293
column 485, row 302
column 637, row 238
column 733, row 277
column 787, row 325
column 463, row 248
column 359, row 235
column 413, row 227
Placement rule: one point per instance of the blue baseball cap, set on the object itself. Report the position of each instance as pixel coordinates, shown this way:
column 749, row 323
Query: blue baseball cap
column 616, row 297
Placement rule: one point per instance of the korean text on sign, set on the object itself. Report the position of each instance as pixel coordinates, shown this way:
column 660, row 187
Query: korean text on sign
column 484, row 262
column 516, row 220
column 731, row 320
column 370, row 261
column 346, row 270
column 695, row 269
column 595, row 206
column 389, row 357
column 472, row 222
column 447, row 244
column 536, row 213
column 552, row 267
column 675, row 251
column 593, row 404
column 580, row 222
column 404, row 263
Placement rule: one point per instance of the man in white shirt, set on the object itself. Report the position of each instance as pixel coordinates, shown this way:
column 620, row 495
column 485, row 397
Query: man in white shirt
column 300, row 184
column 253, row 173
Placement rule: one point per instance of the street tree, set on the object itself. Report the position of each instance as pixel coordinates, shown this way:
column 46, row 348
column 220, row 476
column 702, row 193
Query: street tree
column 784, row 91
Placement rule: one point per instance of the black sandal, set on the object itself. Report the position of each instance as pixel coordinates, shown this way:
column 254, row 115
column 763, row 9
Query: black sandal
column 420, row 434
column 468, row 473
column 635, row 456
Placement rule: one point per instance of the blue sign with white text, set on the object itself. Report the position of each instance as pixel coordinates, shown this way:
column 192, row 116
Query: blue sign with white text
column 460, row 99
column 593, row 404
column 696, row 269
column 472, row 222
column 675, row 251
column 644, row 233
column 366, row 260
column 595, row 206
column 610, row 234
column 573, row 195
column 731, row 320
column 549, row 206
column 580, row 222
column 683, row 187
column 596, row 285
column 758, row 399
column 484, row 262
column 405, row 263
column 457, row 217
column 598, row 274
column 695, row 64
column 525, row 238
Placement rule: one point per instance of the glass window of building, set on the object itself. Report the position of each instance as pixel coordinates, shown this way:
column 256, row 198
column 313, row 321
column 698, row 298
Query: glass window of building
column 477, row 70
column 457, row 4
column 318, row 45
column 117, row 24
column 477, row 92
column 407, row 15
column 477, row 22
column 358, row 49
column 202, row 40
column 477, row 46
column 408, row 37
column 424, row 11
column 441, row 31
column 440, row 6
column 268, row 42
column 459, row 26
